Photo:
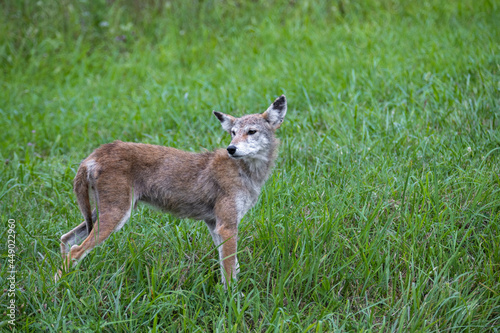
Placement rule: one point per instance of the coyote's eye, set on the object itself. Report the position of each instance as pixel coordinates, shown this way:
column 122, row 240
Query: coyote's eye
column 233, row 132
column 251, row 132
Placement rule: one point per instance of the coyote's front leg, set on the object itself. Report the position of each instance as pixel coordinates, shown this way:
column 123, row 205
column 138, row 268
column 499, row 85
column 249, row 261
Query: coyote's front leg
column 227, row 253
column 224, row 231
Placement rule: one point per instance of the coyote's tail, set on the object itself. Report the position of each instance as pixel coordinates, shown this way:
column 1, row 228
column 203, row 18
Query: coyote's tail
column 81, row 188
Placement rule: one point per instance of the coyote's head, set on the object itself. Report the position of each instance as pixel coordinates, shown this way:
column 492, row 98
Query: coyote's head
column 253, row 135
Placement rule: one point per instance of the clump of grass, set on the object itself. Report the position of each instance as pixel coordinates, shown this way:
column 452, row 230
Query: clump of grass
column 382, row 213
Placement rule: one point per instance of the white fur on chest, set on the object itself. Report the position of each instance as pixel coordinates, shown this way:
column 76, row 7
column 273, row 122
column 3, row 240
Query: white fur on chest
column 247, row 197
column 244, row 201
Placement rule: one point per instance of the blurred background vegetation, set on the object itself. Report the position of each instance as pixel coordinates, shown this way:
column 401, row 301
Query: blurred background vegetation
column 70, row 67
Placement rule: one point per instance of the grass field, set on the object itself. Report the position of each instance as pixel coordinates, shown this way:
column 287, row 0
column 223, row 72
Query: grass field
column 382, row 214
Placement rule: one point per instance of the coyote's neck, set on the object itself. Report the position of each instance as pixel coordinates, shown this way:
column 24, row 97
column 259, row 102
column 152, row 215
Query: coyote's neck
column 259, row 168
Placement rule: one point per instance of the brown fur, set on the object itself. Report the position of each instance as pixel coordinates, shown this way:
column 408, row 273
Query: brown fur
column 216, row 187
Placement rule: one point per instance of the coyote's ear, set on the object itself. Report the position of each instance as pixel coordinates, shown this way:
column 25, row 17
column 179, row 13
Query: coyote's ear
column 276, row 112
column 226, row 120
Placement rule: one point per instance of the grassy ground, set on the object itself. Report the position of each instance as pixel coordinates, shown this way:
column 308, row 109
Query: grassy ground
column 382, row 213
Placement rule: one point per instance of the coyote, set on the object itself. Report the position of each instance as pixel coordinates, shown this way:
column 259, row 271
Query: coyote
column 217, row 187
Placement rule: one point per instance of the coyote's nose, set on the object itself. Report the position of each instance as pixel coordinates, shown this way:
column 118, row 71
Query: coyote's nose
column 231, row 149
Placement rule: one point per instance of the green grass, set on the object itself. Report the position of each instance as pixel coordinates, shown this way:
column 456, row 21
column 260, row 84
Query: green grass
column 383, row 212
